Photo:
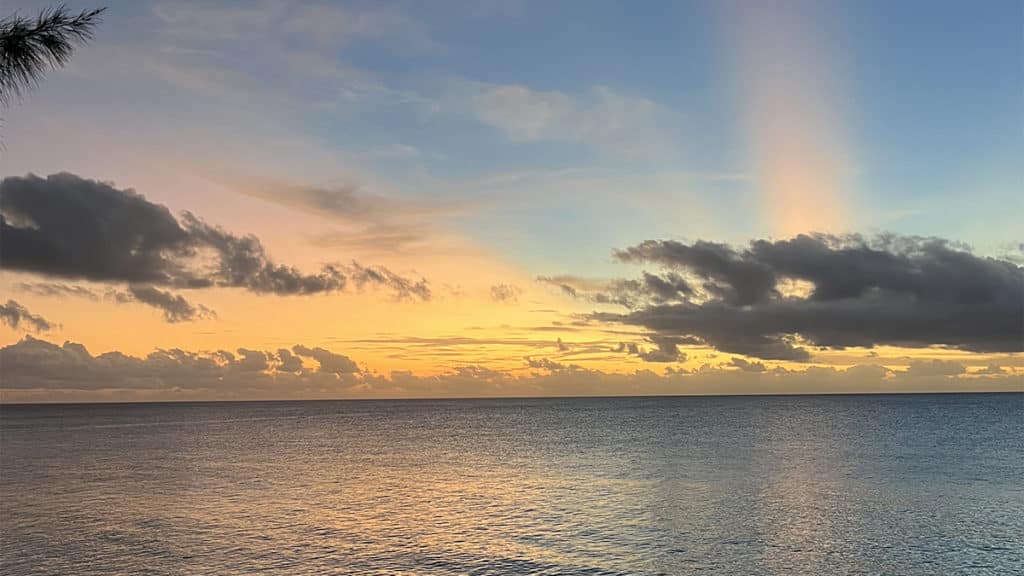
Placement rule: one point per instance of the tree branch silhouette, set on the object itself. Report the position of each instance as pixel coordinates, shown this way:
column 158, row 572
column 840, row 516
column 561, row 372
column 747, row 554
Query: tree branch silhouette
column 29, row 47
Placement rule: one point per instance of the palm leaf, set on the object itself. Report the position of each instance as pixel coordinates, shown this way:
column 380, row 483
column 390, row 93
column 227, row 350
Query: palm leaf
column 31, row 46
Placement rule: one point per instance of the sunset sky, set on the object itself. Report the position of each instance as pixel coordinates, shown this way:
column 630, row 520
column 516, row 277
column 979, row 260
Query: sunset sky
column 276, row 199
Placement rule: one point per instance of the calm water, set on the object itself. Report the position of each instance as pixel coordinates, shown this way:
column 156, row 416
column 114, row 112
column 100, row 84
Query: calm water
column 896, row 485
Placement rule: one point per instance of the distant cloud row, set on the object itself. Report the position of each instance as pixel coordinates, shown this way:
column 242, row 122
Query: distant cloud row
column 35, row 369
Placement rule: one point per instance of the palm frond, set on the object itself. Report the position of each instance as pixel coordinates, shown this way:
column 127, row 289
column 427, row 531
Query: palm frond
column 31, row 46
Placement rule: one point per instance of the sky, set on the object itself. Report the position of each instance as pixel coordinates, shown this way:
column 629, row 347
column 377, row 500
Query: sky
column 271, row 199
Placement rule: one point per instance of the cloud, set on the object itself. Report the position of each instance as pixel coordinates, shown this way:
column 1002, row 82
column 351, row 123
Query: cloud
column 863, row 292
column 315, row 26
column 378, row 275
column 301, row 53
column 37, row 364
column 505, row 293
column 242, row 262
column 567, row 284
column 992, row 369
column 734, row 279
column 14, row 315
column 57, row 289
column 616, row 123
column 936, row 367
column 550, row 365
column 658, row 288
column 252, row 360
column 37, row 370
column 329, row 25
column 449, row 350
column 366, row 220
column 175, row 307
column 666, row 350
column 70, row 227
column 329, row 361
column 748, row 366
column 344, row 201
column 288, row 362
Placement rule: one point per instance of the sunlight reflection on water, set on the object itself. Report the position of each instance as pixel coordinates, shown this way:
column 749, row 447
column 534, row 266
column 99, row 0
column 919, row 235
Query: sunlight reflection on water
column 804, row 485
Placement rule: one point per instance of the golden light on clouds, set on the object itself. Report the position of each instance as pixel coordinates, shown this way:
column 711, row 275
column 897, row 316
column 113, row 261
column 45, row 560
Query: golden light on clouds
column 453, row 233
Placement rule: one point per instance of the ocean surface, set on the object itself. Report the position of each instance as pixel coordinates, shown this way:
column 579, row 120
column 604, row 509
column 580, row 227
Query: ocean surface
column 825, row 485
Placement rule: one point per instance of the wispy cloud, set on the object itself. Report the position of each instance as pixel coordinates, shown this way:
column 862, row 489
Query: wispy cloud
column 174, row 307
column 361, row 218
column 315, row 25
column 58, row 289
column 505, row 293
column 616, row 123
column 295, row 72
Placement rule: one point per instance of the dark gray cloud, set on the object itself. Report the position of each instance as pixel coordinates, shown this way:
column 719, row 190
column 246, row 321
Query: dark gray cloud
column 656, row 288
column 252, row 360
column 328, row 361
column 725, row 273
column 666, row 349
column 15, row 315
column 175, row 308
column 288, row 362
column 883, row 290
column 241, row 261
column 70, row 227
column 33, row 363
column 403, row 288
column 748, row 366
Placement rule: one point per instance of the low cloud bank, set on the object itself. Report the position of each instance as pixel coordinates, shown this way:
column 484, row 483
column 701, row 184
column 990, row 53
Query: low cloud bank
column 37, row 370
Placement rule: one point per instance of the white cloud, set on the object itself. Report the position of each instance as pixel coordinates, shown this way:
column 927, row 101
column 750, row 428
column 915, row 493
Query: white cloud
column 327, row 25
column 601, row 117
column 319, row 25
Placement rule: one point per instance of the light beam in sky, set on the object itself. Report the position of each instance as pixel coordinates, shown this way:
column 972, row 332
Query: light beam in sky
column 788, row 80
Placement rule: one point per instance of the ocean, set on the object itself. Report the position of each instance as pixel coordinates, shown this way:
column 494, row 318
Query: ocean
column 788, row 485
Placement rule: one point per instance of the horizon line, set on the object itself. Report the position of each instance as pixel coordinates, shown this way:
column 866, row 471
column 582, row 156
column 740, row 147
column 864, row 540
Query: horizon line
column 468, row 398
